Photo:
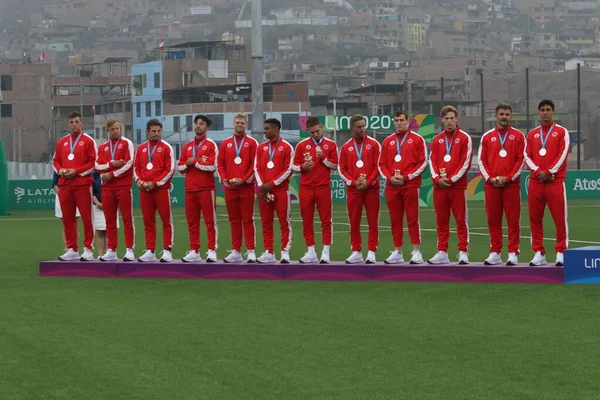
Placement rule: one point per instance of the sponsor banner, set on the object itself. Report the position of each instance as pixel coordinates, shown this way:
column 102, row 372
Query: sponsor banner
column 582, row 265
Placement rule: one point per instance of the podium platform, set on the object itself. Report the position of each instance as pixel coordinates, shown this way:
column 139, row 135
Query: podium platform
column 336, row 271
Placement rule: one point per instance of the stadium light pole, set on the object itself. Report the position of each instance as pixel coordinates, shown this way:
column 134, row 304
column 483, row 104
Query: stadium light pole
column 257, row 71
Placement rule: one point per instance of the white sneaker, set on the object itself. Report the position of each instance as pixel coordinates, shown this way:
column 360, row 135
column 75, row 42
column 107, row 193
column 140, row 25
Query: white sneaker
column 560, row 260
column 110, row 255
column 325, row 257
column 70, row 255
column 538, row 259
column 355, row 258
column 129, row 256
column 233, row 257
column 166, row 256
column 441, row 257
column 395, row 258
column 493, row 259
column 285, row 257
column 148, row 256
column 417, row 257
column 251, row 257
column 191, row 256
column 371, row 257
column 266, row 258
column 463, row 258
column 512, row 259
column 87, row 255
column 211, row 256
column 309, row 257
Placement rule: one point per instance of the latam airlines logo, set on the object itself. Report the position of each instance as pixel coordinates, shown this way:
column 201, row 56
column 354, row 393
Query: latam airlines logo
column 19, row 192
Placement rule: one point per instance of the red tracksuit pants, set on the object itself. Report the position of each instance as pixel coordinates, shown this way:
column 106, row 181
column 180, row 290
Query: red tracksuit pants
column 112, row 202
column 370, row 200
column 240, row 210
column 500, row 201
column 321, row 199
column 281, row 206
column 71, row 199
column 446, row 201
column 205, row 202
column 151, row 202
column 400, row 202
column 554, row 195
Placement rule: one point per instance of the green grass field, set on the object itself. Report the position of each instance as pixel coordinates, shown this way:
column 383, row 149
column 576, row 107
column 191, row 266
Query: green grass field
column 90, row 338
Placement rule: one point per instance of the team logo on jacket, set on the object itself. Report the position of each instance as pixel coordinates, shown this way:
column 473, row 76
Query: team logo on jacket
column 457, row 140
column 368, row 147
column 66, row 144
column 189, row 148
column 409, row 141
column 204, row 147
column 441, row 141
column 326, row 146
column 349, row 148
column 494, row 138
column 120, row 146
column 554, row 134
column 81, row 143
column 106, row 149
column 537, row 135
column 245, row 144
column 144, row 150
column 512, row 137
column 265, row 148
column 280, row 148
column 308, row 147
column 160, row 149
column 229, row 145
column 393, row 142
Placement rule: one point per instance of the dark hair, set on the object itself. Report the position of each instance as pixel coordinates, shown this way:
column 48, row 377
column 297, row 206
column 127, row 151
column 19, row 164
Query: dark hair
column 355, row 118
column 503, row 106
column 313, row 121
column 203, row 118
column 274, row 121
column 153, row 122
column 74, row 114
column 399, row 113
column 546, row 103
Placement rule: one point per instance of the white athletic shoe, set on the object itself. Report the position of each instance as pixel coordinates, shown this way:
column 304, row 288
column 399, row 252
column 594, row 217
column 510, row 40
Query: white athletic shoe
column 493, row 259
column 395, row 258
column 129, row 256
column 370, row 257
column 325, row 257
column 166, row 256
column 310, row 257
column 148, row 256
column 285, row 257
column 560, row 260
column 211, row 256
column 355, row 258
column 110, row 255
column 233, row 257
column 69, row 255
column 250, row 256
column 87, row 255
column 191, row 256
column 266, row 258
column 417, row 257
column 512, row 260
column 538, row 260
column 463, row 258
column 441, row 257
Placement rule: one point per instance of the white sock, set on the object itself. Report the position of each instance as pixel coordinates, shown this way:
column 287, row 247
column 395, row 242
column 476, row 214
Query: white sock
column 326, row 248
column 311, row 249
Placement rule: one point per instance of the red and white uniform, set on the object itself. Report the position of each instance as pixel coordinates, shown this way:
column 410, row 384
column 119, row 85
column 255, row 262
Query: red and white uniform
column 116, row 193
column 315, row 187
column 494, row 162
column 279, row 178
column 412, row 150
column 76, row 193
column 200, row 189
column 369, row 198
column 459, row 147
column 157, row 199
column 239, row 199
column 554, row 162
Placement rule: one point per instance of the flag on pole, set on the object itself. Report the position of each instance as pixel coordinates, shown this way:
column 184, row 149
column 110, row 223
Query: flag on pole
column 161, row 44
column 362, row 85
column 42, row 56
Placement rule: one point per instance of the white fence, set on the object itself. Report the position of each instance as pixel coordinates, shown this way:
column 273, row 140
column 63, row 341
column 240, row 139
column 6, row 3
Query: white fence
column 29, row 170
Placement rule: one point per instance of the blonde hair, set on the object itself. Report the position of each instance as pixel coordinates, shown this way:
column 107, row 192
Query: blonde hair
column 355, row 118
column 241, row 116
column 111, row 122
column 447, row 109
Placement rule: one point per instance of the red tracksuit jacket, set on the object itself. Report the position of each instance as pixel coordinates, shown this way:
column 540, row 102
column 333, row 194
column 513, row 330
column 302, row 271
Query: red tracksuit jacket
column 461, row 154
column 283, row 156
column 201, row 176
column 227, row 167
column 557, row 151
column 163, row 162
column 370, row 157
column 413, row 160
column 491, row 164
column 85, row 152
column 123, row 150
column 320, row 174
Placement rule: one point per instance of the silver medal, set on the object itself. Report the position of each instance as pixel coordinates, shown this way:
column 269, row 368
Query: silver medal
column 71, row 156
column 542, row 152
column 360, row 163
column 149, row 166
column 447, row 158
column 398, row 158
column 237, row 160
column 503, row 153
column 270, row 165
